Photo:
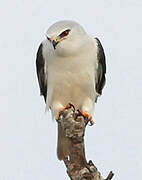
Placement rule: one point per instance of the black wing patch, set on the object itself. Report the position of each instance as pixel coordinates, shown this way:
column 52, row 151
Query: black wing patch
column 101, row 68
column 40, row 65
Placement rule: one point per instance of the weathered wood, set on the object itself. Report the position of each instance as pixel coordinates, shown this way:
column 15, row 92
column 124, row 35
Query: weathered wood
column 78, row 168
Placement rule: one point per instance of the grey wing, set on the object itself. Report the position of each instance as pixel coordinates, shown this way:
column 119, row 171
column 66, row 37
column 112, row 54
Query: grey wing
column 101, row 70
column 41, row 74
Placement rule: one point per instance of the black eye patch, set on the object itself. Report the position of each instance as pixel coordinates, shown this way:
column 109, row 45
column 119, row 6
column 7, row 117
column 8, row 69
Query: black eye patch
column 64, row 33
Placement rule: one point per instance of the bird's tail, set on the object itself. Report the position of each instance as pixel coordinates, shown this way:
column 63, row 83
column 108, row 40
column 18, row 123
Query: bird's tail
column 63, row 144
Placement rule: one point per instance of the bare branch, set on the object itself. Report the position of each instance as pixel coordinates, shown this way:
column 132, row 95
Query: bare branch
column 77, row 167
column 110, row 176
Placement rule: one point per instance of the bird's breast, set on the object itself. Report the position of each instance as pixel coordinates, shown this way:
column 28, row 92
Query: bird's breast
column 70, row 80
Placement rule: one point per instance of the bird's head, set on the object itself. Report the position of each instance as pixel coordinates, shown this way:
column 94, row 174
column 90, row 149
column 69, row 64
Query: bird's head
column 65, row 37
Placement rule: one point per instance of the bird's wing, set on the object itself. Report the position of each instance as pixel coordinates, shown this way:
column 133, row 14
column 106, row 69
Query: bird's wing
column 101, row 69
column 41, row 72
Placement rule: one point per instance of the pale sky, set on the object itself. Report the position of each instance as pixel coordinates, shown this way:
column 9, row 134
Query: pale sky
column 27, row 134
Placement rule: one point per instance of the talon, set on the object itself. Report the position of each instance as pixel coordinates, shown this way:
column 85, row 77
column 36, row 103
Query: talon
column 91, row 122
column 69, row 105
column 86, row 115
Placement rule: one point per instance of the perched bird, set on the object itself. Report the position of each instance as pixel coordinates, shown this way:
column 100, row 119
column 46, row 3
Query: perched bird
column 71, row 68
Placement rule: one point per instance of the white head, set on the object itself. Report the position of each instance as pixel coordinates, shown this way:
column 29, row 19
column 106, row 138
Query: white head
column 66, row 37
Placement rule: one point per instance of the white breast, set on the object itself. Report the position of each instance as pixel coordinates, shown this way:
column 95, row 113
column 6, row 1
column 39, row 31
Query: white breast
column 71, row 80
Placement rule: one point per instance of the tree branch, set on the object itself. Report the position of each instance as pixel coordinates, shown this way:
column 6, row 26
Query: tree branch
column 74, row 125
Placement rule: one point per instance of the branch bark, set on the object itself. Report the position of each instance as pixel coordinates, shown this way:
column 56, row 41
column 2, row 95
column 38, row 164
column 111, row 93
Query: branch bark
column 78, row 168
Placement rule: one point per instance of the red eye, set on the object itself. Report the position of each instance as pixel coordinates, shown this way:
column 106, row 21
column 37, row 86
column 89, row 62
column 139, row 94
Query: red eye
column 65, row 33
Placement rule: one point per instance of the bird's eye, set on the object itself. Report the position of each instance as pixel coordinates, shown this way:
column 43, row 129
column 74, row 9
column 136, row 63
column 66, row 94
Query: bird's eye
column 64, row 33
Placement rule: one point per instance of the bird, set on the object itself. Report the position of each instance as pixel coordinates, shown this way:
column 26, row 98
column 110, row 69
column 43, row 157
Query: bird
column 71, row 70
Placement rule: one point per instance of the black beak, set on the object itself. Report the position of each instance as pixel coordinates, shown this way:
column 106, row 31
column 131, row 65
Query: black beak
column 48, row 38
column 54, row 43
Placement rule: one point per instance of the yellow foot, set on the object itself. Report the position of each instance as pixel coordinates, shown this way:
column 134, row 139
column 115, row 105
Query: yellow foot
column 88, row 116
column 91, row 122
column 62, row 109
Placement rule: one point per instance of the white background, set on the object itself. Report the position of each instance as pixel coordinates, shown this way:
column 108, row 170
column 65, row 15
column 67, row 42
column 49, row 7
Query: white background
column 27, row 134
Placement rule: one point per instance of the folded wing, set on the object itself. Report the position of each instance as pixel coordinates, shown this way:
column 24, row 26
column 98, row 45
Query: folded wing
column 101, row 70
column 41, row 72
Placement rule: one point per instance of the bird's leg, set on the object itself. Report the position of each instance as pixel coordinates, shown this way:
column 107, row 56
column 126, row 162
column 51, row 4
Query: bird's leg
column 87, row 115
column 68, row 106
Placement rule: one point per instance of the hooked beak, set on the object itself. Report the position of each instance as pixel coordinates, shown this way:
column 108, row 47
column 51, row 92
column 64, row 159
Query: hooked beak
column 55, row 42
